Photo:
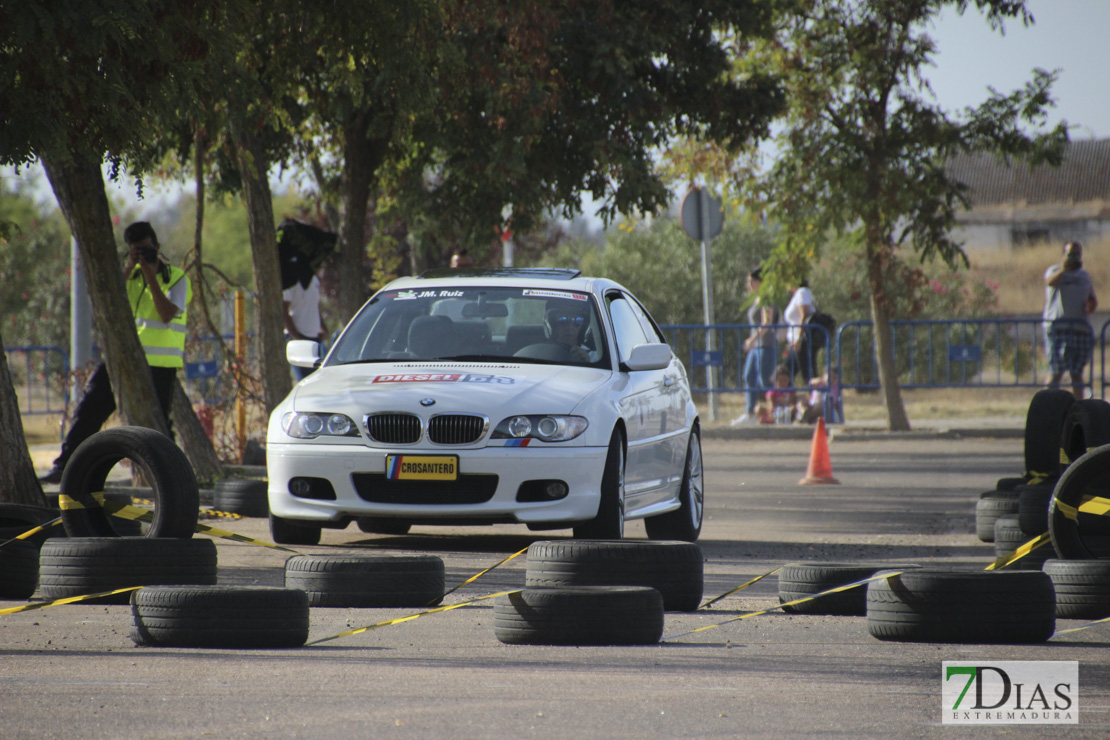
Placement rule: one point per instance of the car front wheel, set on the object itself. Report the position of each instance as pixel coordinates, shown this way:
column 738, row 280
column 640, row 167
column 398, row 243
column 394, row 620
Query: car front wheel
column 609, row 522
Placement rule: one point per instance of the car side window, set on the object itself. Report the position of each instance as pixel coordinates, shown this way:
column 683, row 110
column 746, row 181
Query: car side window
column 651, row 330
column 626, row 324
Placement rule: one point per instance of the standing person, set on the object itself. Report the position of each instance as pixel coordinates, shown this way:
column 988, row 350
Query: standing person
column 760, row 347
column 799, row 360
column 1069, row 298
column 158, row 294
column 302, row 313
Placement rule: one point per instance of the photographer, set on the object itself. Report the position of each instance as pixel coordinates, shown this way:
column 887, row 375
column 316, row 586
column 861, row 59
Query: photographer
column 1069, row 298
column 158, row 294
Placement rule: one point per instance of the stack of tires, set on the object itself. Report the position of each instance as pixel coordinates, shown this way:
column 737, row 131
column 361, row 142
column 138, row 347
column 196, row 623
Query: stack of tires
column 19, row 552
column 600, row 592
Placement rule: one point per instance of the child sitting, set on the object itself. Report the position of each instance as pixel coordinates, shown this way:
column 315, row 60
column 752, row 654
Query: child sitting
column 779, row 405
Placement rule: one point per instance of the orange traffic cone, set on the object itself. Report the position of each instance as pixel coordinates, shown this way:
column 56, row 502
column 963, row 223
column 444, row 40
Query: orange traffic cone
column 820, row 469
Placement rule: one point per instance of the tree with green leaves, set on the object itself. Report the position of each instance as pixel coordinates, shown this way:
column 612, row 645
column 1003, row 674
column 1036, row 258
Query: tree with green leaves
column 80, row 84
column 863, row 145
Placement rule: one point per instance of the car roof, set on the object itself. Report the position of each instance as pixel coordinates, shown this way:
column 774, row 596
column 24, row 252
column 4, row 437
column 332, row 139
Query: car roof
column 527, row 277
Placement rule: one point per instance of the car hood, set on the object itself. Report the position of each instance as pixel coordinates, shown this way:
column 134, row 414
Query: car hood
column 465, row 387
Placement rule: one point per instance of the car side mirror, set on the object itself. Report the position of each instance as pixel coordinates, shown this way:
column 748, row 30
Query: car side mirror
column 648, row 357
column 303, row 353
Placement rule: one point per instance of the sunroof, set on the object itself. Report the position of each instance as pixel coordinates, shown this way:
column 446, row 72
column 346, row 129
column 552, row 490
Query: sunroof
column 541, row 273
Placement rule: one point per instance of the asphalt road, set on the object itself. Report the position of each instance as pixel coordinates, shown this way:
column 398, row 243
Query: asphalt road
column 72, row 671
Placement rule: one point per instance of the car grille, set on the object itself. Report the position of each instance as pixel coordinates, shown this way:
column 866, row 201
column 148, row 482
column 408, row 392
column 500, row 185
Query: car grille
column 468, row 489
column 394, row 429
column 456, row 429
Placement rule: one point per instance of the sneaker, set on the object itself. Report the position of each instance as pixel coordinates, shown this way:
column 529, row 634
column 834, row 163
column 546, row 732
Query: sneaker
column 54, row 476
column 742, row 420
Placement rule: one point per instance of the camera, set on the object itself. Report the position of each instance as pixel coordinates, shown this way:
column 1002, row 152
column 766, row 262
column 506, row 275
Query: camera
column 148, row 254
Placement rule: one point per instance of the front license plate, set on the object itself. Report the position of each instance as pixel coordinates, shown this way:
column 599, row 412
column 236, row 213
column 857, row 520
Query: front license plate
column 422, row 467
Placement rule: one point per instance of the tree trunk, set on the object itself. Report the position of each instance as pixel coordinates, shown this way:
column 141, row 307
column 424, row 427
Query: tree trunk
column 79, row 187
column 277, row 380
column 192, row 438
column 18, row 483
column 897, row 420
column 354, row 193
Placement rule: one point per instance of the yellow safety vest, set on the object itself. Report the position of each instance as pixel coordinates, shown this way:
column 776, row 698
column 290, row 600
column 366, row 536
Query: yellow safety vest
column 163, row 343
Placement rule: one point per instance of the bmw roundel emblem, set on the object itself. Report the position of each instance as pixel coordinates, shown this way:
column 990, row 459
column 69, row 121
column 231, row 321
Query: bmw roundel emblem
column 427, row 402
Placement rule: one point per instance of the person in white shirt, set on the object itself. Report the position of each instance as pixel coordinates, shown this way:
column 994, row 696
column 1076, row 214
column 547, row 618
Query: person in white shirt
column 800, row 308
column 302, row 316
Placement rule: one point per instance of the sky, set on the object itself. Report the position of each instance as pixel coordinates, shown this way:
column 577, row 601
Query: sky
column 1068, row 35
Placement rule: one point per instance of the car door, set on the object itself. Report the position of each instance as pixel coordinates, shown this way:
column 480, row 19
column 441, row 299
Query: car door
column 645, row 407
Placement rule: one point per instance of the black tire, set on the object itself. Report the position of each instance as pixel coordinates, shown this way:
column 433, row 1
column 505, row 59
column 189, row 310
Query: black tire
column 121, row 526
column 613, row 615
column 1008, row 537
column 1009, row 484
column 367, row 580
column 17, row 519
column 800, row 580
column 87, row 565
column 990, row 506
column 246, row 497
column 609, row 522
column 381, row 525
column 684, row 523
column 173, row 483
column 293, row 532
column 1086, row 426
column 219, row 617
column 1082, row 588
column 1044, row 424
column 674, row 569
column 19, row 569
column 1033, row 507
column 1080, row 535
column 928, row 605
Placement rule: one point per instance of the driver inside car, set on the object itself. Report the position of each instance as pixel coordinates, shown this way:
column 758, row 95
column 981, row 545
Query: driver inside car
column 566, row 327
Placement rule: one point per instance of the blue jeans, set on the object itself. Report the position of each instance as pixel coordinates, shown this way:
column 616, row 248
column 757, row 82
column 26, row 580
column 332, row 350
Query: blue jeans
column 758, row 366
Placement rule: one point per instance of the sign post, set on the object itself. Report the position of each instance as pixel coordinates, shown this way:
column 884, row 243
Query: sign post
column 702, row 219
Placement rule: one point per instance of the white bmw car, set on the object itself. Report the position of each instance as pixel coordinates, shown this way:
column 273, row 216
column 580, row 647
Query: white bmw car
column 528, row 396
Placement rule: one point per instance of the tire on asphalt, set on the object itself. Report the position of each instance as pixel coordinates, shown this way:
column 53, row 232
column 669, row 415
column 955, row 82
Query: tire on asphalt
column 293, row 532
column 1008, row 537
column 684, row 523
column 88, row 565
column 219, row 617
column 171, row 477
column 1081, row 535
column 609, row 522
column 1033, row 507
column 356, row 580
column 1086, row 426
column 802, row 580
column 243, row 496
column 674, row 569
column 990, row 506
column 929, row 605
column 585, row 615
column 383, row 525
column 19, row 569
column 1082, row 588
column 1044, row 424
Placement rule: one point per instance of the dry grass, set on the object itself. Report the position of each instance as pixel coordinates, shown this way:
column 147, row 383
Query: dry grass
column 1019, row 273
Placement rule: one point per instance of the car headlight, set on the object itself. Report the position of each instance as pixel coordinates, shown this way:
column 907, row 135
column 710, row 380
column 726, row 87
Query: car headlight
column 308, row 425
column 546, row 428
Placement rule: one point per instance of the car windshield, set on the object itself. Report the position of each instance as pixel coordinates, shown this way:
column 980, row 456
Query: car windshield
column 474, row 323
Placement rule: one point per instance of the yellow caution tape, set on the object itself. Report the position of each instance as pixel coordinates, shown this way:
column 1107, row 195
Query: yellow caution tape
column 749, row 615
column 67, row 600
column 741, row 587
column 32, row 532
column 1083, row 626
column 411, row 617
column 1021, row 552
column 487, row 570
column 1096, row 505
